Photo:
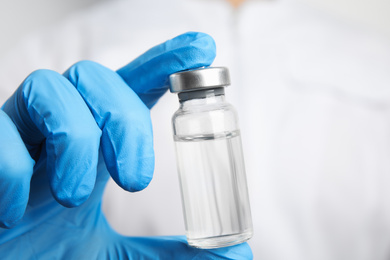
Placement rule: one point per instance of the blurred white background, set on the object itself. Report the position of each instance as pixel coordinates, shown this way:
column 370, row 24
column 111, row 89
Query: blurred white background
column 20, row 17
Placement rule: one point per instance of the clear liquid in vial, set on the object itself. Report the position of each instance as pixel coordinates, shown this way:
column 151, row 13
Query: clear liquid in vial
column 214, row 189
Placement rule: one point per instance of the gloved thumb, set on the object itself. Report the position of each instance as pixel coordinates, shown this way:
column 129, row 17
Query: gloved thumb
column 148, row 74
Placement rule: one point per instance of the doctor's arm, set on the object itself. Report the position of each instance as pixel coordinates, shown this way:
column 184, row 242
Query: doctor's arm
column 63, row 135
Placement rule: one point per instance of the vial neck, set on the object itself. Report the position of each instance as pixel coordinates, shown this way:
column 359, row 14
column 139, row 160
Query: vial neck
column 201, row 97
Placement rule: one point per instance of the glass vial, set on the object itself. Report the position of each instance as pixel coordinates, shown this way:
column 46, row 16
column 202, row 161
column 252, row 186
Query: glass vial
column 210, row 160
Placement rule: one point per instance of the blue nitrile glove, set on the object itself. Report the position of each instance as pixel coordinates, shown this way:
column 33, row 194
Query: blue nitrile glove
column 62, row 136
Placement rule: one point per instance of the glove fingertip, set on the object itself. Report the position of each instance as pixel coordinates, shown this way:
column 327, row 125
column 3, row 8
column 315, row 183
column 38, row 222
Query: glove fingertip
column 206, row 45
column 139, row 183
column 136, row 176
column 70, row 200
column 192, row 49
column 8, row 224
column 72, row 192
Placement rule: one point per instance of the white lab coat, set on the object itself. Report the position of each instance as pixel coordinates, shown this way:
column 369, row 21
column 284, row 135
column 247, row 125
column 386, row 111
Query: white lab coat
column 313, row 97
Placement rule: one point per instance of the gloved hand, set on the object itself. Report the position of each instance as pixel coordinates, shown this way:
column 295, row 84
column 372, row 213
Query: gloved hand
column 62, row 136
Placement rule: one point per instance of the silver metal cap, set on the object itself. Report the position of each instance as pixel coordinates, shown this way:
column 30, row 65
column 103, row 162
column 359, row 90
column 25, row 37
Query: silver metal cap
column 197, row 79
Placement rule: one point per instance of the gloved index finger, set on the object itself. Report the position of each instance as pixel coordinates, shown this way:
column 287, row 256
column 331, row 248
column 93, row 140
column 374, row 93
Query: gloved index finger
column 148, row 74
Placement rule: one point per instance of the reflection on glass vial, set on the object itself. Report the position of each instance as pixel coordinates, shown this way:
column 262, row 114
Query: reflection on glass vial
column 210, row 161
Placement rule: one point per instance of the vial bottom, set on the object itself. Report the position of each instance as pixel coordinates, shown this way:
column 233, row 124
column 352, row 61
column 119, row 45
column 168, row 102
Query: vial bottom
column 221, row 241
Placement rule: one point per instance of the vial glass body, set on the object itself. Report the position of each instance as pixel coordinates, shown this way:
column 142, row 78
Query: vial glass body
column 211, row 173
